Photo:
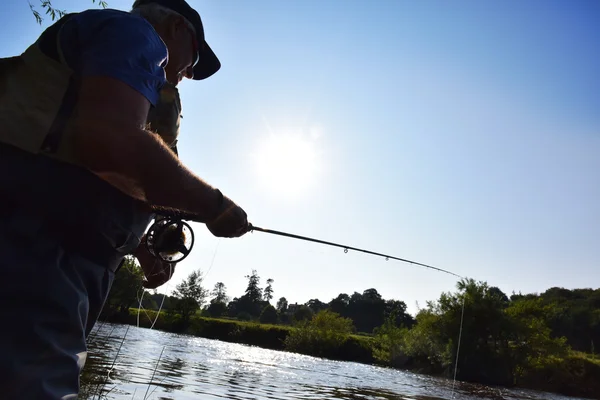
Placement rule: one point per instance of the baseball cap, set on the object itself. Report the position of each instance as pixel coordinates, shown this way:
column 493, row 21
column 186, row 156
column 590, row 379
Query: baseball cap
column 208, row 63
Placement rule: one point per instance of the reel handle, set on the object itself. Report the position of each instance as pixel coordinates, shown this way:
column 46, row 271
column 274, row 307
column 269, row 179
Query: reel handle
column 170, row 239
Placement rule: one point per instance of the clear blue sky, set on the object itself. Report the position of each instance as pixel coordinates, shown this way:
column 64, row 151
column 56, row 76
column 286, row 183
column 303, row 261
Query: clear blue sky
column 461, row 134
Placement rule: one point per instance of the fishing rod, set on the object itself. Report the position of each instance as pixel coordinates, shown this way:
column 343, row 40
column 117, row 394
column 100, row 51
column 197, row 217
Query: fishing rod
column 171, row 239
column 346, row 248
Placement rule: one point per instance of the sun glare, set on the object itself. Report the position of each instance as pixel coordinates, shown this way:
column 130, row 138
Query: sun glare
column 286, row 164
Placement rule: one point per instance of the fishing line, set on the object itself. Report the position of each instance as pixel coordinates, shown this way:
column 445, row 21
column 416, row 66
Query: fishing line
column 213, row 259
column 164, row 295
column 462, row 315
column 140, row 307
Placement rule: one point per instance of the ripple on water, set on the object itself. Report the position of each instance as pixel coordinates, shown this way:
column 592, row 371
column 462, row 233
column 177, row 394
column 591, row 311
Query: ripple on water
column 126, row 363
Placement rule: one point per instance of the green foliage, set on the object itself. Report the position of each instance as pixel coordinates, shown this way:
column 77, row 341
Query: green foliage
column 54, row 12
column 425, row 342
column 125, row 288
column 216, row 309
column 190, row 295
column 268, row 315
column 389, row 343
column 323, row 335
column 303, row 313
column 244, row 316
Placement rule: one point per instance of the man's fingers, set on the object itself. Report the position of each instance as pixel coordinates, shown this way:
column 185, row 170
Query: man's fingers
column 159, row 276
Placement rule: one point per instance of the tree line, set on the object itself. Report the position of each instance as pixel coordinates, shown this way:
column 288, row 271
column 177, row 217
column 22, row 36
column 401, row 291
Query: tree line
column 570, row 314
column 367, row 310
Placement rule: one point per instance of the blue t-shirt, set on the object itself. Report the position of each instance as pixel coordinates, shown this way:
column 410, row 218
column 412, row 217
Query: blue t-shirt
column 117, row 44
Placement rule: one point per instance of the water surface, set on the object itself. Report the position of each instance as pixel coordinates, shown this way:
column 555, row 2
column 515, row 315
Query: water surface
column 126, row 362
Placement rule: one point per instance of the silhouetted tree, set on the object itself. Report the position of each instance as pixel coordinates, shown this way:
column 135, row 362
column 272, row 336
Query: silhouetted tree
column 253, row 291
column 220, row 293
column 316, row 305
column 339, row 305
column 282, row 305
column 269, row 290
column 126, row 288
column 190, row 296
column 268, row 315
column 303, row 313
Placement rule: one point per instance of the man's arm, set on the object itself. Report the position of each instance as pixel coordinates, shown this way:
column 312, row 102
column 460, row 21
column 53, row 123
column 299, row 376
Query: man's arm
column 121, row 71
column 111, row 142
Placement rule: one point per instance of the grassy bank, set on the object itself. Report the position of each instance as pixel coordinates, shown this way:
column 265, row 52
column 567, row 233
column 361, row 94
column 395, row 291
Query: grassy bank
column 574, row 374
column 350, row 347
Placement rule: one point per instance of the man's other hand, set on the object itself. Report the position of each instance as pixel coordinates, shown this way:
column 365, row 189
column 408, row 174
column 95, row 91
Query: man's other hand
column 157, row 272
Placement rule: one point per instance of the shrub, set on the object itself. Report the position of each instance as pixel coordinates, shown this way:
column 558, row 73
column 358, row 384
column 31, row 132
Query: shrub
column 323, row 336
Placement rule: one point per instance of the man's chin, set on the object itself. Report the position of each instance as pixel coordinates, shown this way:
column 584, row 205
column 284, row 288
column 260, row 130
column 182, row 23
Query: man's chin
column 175, row 79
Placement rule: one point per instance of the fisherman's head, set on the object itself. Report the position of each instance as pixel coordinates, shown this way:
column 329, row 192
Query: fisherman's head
column 180, row 27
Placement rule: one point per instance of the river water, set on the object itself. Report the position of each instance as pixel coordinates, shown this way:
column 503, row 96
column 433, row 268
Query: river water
column 126, row 362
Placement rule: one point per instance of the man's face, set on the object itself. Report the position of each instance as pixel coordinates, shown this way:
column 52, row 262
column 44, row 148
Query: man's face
column 183, row 50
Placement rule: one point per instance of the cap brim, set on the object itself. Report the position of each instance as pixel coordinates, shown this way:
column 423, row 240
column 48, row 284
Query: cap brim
column 208, row 63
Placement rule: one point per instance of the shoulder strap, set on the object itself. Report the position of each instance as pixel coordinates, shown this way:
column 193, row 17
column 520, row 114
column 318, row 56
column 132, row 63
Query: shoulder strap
column 50, row 44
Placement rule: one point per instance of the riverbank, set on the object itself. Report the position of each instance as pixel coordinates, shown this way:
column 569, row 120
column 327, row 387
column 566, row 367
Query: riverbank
column 577, row 374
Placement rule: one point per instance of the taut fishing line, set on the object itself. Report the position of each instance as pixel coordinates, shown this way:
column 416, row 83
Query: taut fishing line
column 462, row 315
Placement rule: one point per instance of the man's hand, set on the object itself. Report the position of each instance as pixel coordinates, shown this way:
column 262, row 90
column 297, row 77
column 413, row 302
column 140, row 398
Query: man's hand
column 157, row 272
column 231, row 221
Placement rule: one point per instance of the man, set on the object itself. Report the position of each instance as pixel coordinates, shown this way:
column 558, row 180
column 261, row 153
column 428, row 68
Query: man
column 80, row 178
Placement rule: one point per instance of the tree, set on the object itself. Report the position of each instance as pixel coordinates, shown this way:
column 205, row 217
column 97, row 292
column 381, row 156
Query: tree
column 55, row 12
column 367, row 310
column 216, row 309
column 251, row 302
column 282, row 305
column 268, row 315
column 190, row 296
column 220, row 293
column 126, row 287
column 339, row 305
column 316, row 305
column 303, row 313
column 396, row 311
column 253, row 291
column 269, row 290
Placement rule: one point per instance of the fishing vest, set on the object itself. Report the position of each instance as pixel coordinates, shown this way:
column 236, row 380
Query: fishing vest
column 38, row 92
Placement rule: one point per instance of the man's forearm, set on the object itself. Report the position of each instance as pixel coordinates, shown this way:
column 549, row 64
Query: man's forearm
column 141, row 165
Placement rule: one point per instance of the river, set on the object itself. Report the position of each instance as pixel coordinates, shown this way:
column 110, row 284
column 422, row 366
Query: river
column 126, row 362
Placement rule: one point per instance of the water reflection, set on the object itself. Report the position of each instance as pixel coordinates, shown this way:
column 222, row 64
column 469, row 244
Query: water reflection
column 126, row 363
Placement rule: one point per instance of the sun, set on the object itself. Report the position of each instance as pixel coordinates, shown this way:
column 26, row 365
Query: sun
column 286, row 164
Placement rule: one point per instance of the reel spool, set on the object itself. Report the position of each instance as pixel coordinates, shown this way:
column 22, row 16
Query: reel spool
column 170, row 239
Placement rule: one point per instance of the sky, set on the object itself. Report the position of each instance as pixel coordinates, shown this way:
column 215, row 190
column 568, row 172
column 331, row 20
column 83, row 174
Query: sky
column 463, row 135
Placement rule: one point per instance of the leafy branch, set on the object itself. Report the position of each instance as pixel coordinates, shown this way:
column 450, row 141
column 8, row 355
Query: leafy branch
column 54, row 12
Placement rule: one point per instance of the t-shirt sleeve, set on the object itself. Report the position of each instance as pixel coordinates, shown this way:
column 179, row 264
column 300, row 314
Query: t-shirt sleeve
column 128, row 49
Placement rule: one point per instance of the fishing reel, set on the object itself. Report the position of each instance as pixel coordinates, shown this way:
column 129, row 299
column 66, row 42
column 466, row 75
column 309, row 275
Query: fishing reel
column 170, row 239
